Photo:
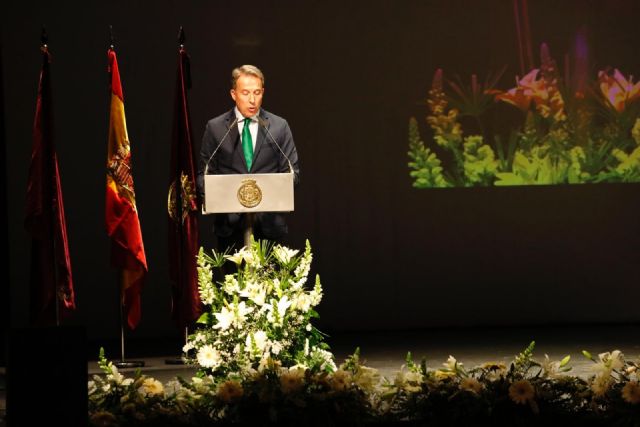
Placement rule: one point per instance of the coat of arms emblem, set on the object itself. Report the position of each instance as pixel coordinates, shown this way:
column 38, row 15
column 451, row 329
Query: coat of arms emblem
column 249, row 194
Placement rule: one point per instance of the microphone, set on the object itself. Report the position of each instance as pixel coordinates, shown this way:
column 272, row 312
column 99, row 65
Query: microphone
column 206, row 168
column 263, row 123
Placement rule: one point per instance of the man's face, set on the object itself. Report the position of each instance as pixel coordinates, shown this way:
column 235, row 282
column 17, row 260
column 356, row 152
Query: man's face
column 248, row 95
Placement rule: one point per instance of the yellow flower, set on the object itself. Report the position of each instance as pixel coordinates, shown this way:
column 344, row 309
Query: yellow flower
column 443, row 122
column 496, row 370
column 151, row 387
column 635, row 132
column 366, row 378
column 494, row 366
column 471, row 384
column 292, row 380
column 409, row 381
column 521, row 392
column 631, row 392
column 601, row 384
column 443, row 375
column 230, row 390
column 340, row 380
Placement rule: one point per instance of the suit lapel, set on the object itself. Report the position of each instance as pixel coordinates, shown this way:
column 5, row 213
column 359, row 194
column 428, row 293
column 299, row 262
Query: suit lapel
column 234, row 138
column 262, row 134
column 233, row 132
column 238, row 154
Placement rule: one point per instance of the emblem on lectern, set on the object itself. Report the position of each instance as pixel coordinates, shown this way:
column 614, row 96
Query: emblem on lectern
column 249, row 194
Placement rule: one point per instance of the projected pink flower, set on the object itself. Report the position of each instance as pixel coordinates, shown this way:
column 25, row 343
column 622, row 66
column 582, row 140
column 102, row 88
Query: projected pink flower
column 619, row 91
column 543, row 92
column 521, row 95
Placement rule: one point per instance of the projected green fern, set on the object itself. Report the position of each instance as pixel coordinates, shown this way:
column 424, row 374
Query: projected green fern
column 563, row 133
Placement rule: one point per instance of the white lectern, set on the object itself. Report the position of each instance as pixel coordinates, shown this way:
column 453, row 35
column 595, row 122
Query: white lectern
column 248, row 193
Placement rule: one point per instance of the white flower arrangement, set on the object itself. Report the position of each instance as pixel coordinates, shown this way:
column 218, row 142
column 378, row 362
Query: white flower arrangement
column 261, row 312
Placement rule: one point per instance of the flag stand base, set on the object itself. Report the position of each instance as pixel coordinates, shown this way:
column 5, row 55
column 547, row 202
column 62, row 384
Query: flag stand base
column 129, row 364
column 180, row 360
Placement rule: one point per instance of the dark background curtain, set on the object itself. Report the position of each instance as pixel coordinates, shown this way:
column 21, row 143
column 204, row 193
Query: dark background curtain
column 347, row 76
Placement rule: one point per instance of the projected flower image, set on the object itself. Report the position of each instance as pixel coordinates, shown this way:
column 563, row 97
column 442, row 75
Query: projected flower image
column 551, row 128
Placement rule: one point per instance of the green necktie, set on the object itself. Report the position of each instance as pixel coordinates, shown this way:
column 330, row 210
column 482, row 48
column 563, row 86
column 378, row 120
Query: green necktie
column 247, row 143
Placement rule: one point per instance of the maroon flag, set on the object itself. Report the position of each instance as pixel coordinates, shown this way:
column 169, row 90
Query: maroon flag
column 51, row 282
column 182, row 207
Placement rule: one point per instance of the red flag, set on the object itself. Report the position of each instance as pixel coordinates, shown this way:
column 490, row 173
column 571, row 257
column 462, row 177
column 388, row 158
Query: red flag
column 52, row 292
column 182, row 207
column 123, row 225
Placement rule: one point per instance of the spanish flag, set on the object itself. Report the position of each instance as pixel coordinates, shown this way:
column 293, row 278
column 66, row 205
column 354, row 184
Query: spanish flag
column 123, row 225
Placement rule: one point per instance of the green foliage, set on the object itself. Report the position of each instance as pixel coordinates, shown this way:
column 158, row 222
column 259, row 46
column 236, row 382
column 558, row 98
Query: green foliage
column 480, row 165
column 473, row 99
column 524, row 359
column 425, row 165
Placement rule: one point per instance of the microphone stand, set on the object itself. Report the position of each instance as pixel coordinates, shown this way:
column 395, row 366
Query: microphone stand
column 263, row 123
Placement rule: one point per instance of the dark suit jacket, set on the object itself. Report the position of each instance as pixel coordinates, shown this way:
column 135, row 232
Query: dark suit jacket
column 229, row 159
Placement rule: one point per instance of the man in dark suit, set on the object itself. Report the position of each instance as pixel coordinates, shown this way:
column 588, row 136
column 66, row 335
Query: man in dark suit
column 248, row 147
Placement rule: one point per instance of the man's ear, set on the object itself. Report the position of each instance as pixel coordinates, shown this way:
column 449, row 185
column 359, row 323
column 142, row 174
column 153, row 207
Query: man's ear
column 233, row 94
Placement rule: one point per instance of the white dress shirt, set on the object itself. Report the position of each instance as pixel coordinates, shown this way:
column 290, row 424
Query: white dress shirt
column 253, row 126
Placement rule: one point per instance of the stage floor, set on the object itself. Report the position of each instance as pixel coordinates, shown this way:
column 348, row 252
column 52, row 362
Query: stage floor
column 387, row 350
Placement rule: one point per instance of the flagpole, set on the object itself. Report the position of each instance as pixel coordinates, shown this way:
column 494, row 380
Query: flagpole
column 119, row 285
column 123, row 363
column 178, row 175
column 44, row 39
column 178, row 218
column 44, row 49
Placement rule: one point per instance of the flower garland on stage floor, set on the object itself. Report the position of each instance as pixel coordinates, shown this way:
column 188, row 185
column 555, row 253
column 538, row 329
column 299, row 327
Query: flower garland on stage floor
column 261, row 362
